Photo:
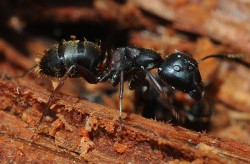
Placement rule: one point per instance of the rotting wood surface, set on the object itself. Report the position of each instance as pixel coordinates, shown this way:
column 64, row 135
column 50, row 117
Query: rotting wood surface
column 225, row 21
column 85, row 131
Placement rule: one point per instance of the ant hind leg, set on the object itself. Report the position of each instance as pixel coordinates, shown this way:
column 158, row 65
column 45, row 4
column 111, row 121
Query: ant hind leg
column 52, row 96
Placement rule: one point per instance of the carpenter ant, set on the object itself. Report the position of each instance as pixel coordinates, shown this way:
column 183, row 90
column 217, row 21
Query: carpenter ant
column 76, row 58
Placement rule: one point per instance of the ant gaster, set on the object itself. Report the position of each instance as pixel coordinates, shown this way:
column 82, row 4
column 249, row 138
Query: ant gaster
column 78, row 58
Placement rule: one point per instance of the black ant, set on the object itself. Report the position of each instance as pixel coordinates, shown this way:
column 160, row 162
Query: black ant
column 76, row 58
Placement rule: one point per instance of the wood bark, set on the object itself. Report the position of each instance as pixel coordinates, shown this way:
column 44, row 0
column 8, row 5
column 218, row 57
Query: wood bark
column 85, row 131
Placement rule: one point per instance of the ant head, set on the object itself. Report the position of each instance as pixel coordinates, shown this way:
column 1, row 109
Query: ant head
column 181, row 71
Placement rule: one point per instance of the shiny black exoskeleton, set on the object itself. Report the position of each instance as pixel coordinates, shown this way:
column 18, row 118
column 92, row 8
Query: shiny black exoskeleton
column 83, row 55
column 77, row 58
column 131, row 60
column 181, row 71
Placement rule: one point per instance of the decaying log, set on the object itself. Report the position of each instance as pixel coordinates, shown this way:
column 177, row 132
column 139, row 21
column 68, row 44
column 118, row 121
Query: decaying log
column 85, row 131
column 225, row 21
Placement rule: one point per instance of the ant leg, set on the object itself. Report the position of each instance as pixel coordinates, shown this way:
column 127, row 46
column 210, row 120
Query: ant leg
column 86, row 74
column 121, row 96
column 182, row 116
column 103, row 77
column 156, row 84
column 179, row 116
column 52, row 96
column 138, row 80
column 24, row 74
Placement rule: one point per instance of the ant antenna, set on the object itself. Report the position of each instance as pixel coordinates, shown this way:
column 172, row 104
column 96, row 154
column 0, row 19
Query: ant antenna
column 25, row 73
column 234, row 57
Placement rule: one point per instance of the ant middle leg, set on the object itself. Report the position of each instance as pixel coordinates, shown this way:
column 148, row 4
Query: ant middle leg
column 121, row 96
column 136, row 77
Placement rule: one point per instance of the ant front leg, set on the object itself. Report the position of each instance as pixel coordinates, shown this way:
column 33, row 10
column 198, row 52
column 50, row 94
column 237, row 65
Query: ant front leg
column 52, row 96
column 178, row 116
column 182, row 115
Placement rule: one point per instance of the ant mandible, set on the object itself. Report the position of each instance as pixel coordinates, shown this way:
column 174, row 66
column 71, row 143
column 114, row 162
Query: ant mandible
column 76, row 58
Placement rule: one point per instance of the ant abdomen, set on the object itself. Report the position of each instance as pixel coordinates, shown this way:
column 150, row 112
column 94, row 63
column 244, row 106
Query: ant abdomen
column 181, row 71
column 62, row 56
column 51, row 64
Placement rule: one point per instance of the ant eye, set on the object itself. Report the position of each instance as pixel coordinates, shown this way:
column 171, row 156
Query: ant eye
column 177, row 68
